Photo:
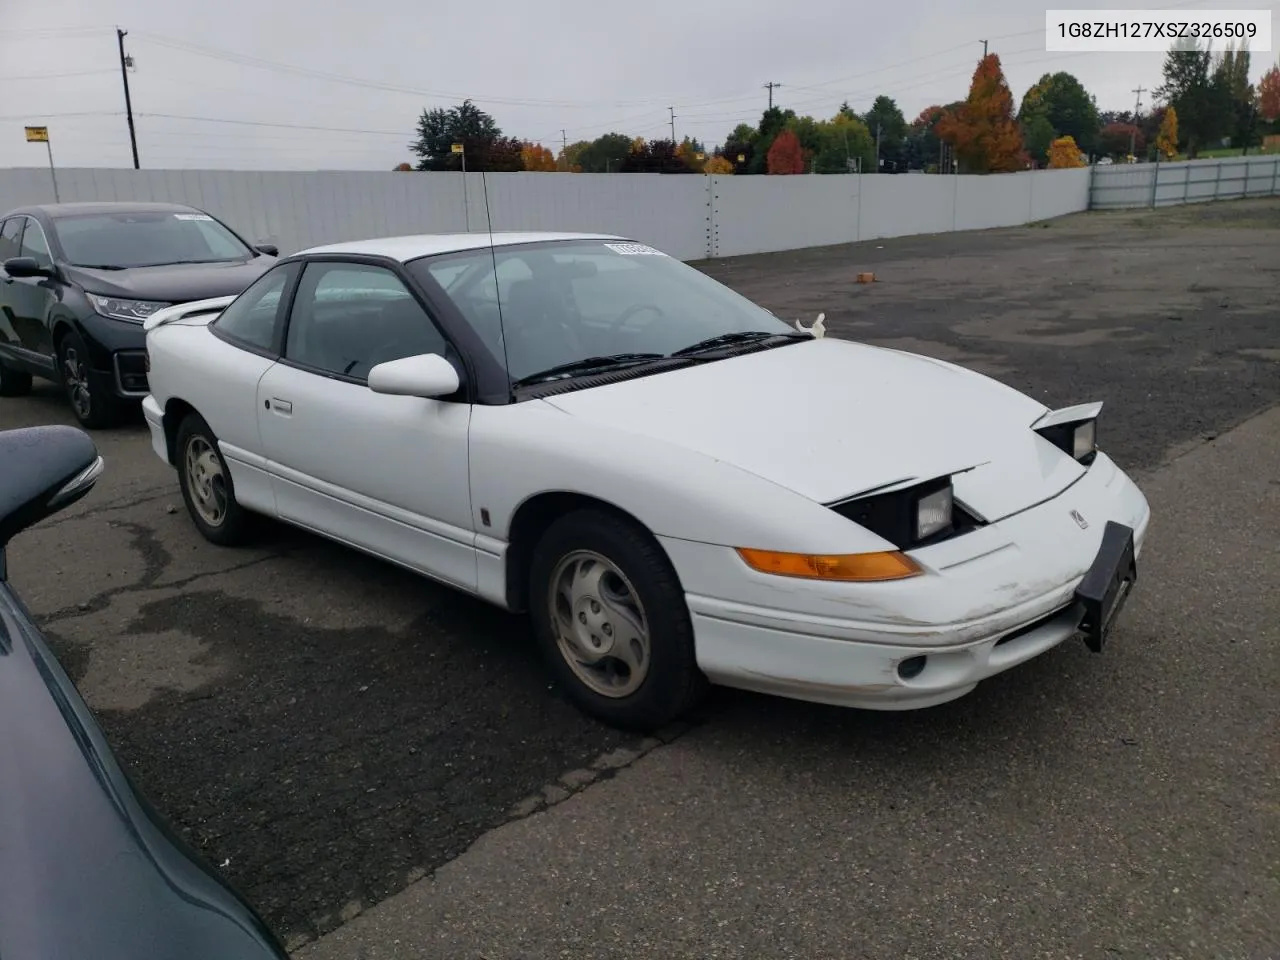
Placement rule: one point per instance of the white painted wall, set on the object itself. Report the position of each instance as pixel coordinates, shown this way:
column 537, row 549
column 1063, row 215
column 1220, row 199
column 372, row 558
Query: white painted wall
column 691, row 217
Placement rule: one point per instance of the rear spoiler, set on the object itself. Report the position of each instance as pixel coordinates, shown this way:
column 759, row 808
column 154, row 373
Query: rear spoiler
column 181, row 311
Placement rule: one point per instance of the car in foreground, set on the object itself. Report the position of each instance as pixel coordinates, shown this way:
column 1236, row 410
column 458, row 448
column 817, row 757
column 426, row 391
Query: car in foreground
column 674, row 483
column 88, row 867
column 78, row 279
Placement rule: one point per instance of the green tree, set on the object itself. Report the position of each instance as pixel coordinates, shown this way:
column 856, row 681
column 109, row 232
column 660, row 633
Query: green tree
column 1037, row 135
column 740, row 143
column 886, row 122
column 1232, row 87
column 485, row 146
column 1198, row 101
column 1068, row 107
column 604, row 154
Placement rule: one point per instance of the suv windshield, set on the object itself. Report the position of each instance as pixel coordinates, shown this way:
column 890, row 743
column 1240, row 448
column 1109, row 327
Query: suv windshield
column 147, row 239
column 585, row 303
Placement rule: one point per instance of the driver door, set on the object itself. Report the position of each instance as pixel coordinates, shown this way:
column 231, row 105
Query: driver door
column 387, row 474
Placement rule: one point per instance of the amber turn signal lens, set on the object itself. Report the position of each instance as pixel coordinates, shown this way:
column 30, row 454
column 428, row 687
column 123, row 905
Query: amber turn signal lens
column 890, row 565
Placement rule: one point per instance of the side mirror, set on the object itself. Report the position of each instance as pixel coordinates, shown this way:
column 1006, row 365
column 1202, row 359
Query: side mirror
column 25, row 267
column 45, row 470
column 427, row 375
column 270, row 249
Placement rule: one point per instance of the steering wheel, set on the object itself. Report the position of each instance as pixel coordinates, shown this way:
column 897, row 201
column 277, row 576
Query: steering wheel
column 621, row 320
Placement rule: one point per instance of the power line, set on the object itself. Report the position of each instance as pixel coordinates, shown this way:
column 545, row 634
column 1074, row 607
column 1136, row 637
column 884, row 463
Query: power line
column 57, row 76
column 770, row 87
column 264, row 123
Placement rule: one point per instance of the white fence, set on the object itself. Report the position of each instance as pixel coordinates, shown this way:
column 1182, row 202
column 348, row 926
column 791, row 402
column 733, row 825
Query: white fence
column 1191, row 181
column 689, row 216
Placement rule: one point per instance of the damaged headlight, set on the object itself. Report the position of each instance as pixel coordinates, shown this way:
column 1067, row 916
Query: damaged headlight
column 933, row 512
column 908, row 517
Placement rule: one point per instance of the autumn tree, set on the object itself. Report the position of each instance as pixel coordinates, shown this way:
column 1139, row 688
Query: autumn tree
column 402, row 166
column 717, row 165
column 654, row 156
column 772, row 122
column 983, row 130
column 1119, row 139
column 922, row 146
column 537, row 158
column 785, row 154
column 1064, row 154
column 1167, row 140
column 1269, row 95
column 484, row 145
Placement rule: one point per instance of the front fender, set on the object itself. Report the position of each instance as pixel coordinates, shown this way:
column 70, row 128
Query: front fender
column 522, row 450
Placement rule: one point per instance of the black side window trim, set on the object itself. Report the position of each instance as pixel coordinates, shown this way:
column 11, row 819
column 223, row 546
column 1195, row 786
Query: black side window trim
column 274, row 352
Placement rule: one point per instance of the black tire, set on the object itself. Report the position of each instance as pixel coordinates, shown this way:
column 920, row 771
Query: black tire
column 234, row 524
column 672, row 684
column 89, row 395
column 14, row 383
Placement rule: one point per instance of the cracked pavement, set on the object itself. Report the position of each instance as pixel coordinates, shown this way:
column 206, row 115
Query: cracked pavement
column 335, row 733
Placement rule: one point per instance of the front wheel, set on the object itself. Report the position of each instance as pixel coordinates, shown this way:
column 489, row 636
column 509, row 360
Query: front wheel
column 91, row 399
column 206, row 484
column 612, row 621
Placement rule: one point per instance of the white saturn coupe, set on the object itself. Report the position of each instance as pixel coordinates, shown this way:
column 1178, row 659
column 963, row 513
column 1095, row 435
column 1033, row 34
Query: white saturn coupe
column 677, row 486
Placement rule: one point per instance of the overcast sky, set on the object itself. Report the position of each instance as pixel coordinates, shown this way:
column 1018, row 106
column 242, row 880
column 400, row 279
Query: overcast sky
column 235, row 84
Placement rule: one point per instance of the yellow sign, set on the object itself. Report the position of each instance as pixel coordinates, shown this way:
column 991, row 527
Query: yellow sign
column 742, row 158
column 700, row 156
column 457, row 148
column 37, row 134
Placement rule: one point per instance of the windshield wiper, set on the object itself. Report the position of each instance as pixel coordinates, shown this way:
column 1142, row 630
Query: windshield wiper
column 735, row 338
column 587, row 365
column 99, row 266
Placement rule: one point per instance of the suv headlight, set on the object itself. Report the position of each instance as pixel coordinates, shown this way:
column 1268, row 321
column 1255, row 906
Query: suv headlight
column 133, row 311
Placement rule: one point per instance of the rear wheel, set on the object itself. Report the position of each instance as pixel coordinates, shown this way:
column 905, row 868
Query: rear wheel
column 14, row 383
column 206, row 484
column 89, row 395
column 612, row 621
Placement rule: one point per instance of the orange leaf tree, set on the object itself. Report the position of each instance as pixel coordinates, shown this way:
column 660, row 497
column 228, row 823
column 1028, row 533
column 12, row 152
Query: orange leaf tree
column 983, row 131
column 717, row 165
column 537, row 158
column 402, row 166
column 1064, row 154
column 786, row 155
column 1167, row 138
column 1269, row 95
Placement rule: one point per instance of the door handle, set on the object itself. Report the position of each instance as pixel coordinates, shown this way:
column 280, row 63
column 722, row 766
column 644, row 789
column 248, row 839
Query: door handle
column 280, row 406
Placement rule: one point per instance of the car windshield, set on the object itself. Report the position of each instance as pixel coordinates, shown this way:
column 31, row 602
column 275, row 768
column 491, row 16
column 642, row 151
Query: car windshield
column 146, row 238
column 587, row 303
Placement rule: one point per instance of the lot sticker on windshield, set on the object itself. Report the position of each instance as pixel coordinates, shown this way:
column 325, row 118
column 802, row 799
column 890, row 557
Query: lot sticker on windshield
column 634, row 250
column 192, row 216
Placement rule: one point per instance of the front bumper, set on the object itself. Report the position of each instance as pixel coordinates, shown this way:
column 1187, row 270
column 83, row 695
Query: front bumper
column 990, row 600
column 118, row 351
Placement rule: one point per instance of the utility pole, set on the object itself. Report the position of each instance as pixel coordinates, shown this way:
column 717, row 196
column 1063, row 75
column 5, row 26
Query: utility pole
column 877, row 146
column 984, row 49
column 770, row 86
column 125, row 63
column 1137, row 111
column 673, row 123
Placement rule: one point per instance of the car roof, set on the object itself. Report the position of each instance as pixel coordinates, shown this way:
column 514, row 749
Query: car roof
column 56, row 210
column 409, row 248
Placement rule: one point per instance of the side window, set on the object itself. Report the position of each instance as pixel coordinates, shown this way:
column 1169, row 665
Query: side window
column 349, row 317
column 10, row 232
column 253, row 318
column 35, row 245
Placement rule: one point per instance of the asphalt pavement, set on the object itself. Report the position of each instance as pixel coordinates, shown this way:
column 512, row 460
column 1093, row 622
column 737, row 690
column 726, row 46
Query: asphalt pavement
column 335, row 733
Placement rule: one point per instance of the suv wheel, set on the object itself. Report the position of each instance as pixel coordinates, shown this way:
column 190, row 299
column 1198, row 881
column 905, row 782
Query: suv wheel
column 90, row 398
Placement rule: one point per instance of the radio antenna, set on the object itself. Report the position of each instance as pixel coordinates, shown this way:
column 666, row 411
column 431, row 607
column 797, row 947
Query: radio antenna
column 497, row 288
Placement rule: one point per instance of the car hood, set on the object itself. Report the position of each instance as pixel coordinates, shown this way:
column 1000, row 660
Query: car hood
column 173, row 283
column 830, row 419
